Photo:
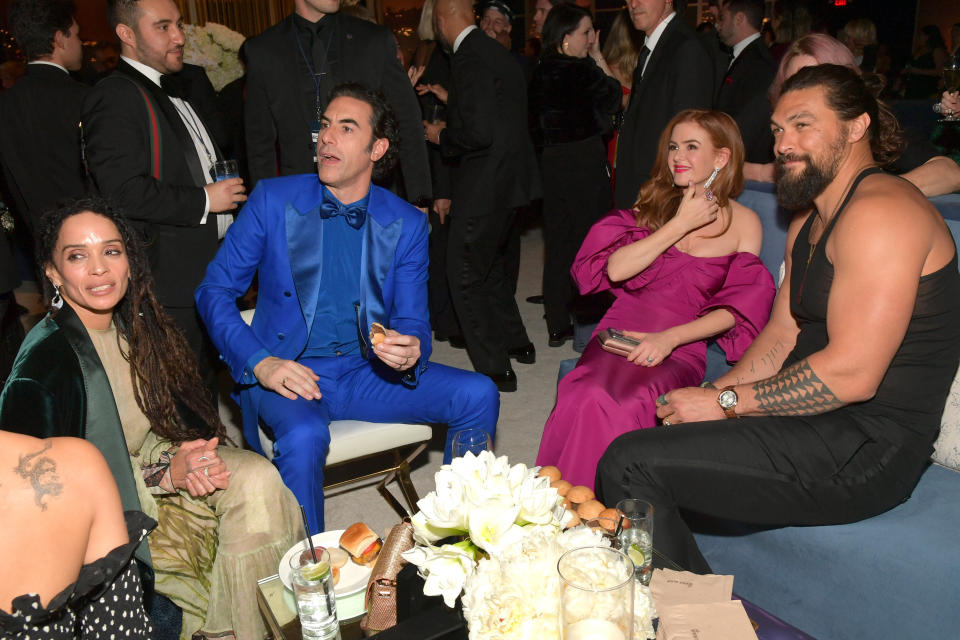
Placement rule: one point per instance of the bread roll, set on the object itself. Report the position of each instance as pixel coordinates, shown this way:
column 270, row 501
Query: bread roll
column 590, row 509
column 551, row 472
column 579, row 494
column 377, row 333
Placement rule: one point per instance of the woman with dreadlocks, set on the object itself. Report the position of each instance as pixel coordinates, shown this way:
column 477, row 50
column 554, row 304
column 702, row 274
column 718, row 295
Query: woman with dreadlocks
column 107, row 364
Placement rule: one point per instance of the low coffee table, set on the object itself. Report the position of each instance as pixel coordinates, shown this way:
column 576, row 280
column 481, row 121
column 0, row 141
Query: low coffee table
column 279, row 611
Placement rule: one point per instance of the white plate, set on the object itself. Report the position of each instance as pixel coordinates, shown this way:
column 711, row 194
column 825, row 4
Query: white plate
column 353, row 577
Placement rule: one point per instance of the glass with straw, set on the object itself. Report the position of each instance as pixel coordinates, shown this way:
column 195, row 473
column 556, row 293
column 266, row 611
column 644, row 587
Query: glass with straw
column 311, row 575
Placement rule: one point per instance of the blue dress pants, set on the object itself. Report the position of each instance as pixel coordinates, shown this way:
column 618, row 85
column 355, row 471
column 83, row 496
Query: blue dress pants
column 357, row 389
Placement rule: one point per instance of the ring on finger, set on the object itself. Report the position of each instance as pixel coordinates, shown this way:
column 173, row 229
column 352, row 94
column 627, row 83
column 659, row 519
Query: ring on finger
column 284, row 381
column 662, row 400
column 649, row 359
column 666, row 422
column 206, row 471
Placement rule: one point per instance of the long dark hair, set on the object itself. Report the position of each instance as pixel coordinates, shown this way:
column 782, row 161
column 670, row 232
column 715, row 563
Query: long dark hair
column 659, row 197
column 848, row 96
column 162, row 366
column 562, row 20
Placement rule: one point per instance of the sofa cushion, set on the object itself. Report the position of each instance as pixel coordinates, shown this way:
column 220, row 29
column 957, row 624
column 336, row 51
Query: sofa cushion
column 890, row 576
column 947, row 446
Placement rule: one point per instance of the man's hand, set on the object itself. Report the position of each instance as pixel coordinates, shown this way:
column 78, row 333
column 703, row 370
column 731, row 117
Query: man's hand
column 436, row 89
column 689, row 404
column 226, row 194
column 431, row 131
column 652, row 350
column 288, row 378
column 442, row 207
column 198, row 468
column 398, row 351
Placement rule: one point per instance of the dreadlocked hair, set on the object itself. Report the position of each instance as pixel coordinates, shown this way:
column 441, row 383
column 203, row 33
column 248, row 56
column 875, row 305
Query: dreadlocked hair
column 163, row 367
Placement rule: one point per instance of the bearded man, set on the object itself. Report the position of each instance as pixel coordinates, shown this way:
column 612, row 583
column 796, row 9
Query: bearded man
column 831, row 414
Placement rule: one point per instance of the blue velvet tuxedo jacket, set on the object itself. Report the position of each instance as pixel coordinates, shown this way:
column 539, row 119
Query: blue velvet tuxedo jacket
column 278, row 235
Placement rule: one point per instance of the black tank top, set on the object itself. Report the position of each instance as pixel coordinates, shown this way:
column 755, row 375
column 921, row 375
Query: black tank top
column 915, row 387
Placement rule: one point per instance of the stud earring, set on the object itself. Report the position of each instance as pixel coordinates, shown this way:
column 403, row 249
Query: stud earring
column 707, row 193
column 56, row 302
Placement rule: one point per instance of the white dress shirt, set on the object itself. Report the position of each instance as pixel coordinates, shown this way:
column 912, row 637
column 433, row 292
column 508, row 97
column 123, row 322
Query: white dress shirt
column 650, row 42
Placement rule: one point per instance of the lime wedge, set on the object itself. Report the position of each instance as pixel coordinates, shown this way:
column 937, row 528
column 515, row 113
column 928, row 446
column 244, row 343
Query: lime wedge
column 316, row 571
column 636, row 555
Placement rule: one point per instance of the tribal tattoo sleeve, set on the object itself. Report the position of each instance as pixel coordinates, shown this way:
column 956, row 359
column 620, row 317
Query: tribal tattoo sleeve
column 41, row 472
column 795, row 391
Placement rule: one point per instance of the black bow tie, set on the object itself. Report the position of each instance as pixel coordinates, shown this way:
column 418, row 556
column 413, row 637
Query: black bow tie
column 354, row 213
column 174, row 86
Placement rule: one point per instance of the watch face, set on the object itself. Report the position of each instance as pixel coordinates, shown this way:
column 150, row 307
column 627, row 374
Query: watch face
column 727, row 399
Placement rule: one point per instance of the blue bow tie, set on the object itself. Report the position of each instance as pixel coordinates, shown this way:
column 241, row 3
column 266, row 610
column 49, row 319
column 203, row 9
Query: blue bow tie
column 354, row 213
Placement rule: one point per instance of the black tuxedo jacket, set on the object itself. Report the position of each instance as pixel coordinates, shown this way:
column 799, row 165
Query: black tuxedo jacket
column 40, row 140
column 118, row 132
column 276, row 120
column 680, row 75
column 743, row 94
column 486, row 131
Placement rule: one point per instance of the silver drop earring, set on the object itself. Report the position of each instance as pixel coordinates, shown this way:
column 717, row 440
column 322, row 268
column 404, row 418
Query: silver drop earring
column 707, row 193
column 57, row 300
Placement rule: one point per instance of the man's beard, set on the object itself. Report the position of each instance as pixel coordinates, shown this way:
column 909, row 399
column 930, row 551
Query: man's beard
column 796, row 191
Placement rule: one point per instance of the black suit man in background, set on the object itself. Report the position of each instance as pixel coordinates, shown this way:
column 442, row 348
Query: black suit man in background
column 39, row 116
column 674, row 72
column 486, row 133
column 160, row 173
column 742, row 91
column 293, row 65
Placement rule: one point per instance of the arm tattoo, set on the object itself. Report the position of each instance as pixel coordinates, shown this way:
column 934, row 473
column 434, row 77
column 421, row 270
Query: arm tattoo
column 770, row 359
column 42, row 475
column 795, row 391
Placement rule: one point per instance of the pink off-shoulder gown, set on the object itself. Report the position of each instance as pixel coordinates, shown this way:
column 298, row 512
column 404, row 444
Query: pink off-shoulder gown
column 605, row 395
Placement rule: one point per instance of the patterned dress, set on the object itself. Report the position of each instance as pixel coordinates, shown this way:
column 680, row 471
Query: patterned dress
column 105, row 602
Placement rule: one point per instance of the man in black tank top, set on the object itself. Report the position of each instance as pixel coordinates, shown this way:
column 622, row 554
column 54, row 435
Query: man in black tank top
column 831, row 415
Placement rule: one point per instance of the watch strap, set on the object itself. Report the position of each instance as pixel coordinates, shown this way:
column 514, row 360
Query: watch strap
column 730, row 412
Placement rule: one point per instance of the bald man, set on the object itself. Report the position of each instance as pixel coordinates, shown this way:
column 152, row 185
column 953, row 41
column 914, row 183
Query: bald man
column 486, row 132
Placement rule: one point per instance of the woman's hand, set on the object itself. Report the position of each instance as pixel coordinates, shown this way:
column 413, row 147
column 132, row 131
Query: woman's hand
column 653, row 348
column 414, row 74
column 695, row 209
column 198, row 468
column 950, row 102
column 435, row 89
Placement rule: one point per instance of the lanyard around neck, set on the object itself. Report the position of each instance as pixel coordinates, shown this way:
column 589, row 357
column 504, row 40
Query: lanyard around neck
column 323, row 63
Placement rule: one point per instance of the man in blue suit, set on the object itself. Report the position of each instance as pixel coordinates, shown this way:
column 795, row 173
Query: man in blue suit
column 333, row 256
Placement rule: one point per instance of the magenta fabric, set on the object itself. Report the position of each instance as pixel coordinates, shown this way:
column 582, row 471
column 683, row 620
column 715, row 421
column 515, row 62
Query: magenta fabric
column 606, row 396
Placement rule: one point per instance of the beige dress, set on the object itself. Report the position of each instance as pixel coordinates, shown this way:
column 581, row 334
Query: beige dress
column 208, row 553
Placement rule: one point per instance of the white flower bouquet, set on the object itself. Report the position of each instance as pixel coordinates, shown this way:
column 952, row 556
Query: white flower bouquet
column 215, row 48
column 494, row 532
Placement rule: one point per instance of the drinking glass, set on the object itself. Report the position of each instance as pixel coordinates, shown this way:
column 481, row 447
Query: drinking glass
column 636, row 536
column 951, row 83
column 313, row 591
column 224, row 169
column 472, row 440
column 596, row 594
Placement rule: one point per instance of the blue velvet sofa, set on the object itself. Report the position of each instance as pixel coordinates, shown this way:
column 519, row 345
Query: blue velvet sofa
column 896, row 575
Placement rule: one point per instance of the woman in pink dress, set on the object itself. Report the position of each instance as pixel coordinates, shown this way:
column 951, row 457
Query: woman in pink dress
column 683, row 267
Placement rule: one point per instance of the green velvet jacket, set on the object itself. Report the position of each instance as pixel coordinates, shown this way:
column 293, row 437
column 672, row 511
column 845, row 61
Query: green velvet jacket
column 58, row 387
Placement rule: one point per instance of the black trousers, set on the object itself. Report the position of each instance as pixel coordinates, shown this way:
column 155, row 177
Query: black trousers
column 813, row 470
column 482, row 284
column 576, row 193
column 443, row 318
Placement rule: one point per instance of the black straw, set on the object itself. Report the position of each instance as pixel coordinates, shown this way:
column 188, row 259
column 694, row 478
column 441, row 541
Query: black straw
column 306, row 531
column 619, row 525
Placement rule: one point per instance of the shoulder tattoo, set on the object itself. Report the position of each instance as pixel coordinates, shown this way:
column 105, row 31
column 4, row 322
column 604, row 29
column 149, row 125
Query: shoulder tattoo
column 41, row 471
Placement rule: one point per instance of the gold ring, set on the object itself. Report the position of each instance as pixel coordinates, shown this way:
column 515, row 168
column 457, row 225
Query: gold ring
column 283, row 382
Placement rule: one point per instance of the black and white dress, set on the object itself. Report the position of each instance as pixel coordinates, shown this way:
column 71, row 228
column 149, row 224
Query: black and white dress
column 106, row 601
